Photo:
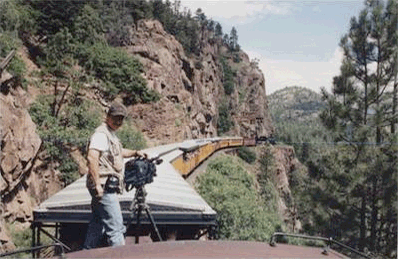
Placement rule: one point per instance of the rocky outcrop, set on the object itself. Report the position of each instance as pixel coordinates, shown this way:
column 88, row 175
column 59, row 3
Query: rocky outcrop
column 251, row 112
column 23, row 182
column 192, row 89
column 285, row 163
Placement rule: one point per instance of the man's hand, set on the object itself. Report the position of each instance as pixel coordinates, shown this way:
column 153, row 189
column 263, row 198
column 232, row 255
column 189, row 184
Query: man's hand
column 142, row 154
column 99, row 191
column 127, row 153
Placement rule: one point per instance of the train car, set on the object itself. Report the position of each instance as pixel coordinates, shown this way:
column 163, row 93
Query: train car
column 195, row 152
column 249, row 142
column 236, row 142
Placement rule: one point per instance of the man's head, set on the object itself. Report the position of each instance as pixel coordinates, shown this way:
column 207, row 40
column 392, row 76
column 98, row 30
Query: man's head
column 116, row 113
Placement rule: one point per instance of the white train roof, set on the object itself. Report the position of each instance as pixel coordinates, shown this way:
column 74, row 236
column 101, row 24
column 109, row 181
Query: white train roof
column 170, row 198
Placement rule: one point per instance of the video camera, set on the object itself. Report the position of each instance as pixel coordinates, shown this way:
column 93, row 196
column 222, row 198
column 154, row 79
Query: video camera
column 140, row 171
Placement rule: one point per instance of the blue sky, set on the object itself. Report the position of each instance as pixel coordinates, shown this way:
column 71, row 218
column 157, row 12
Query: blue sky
column 296, row 42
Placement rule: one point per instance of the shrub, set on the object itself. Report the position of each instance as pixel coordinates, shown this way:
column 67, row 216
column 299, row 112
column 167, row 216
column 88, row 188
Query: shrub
column 229, row 74
column 242, row 214
column 119, row 72
column 266, row 164
column 130, row 137
column 7, row 44
column 71, row 128
column 22, row 238
column 247, row 155
column 224, row 122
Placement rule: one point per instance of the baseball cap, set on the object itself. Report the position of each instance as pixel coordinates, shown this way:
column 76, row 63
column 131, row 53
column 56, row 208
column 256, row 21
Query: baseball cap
column 117, row 109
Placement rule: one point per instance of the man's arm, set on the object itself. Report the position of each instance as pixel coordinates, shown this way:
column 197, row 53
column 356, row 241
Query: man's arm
column 93, row 169
column 126, row 153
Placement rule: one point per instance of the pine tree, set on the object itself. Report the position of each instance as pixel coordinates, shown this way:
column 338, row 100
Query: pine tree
column 234, row 46
column 360, row 110
column 218, row 30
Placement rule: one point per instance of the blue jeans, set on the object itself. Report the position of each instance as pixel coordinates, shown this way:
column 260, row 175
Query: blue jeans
column 106, row 219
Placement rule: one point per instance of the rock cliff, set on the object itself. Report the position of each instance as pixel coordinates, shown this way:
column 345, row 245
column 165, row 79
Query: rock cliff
column 192, row 88
column 24, row 182
column 285, row 163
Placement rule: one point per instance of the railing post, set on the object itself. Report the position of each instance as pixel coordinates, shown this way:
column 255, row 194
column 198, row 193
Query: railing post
column 38, row 239
column 272, row 241
column 33, row 226
column 327, row 247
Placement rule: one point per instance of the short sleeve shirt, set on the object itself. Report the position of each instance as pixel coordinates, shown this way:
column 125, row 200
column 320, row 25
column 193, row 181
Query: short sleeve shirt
column 111, row 159
column 99, row 141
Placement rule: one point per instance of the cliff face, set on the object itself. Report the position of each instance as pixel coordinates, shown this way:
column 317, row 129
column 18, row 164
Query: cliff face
column 23, row 182
column 285, row 163
column 192, row 89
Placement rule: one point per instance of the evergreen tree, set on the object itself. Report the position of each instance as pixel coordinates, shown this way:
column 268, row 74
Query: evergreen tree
column 88, row 27
column 226, row 39
column 218, row 30
column 117, row 21
column 359, row 111
column 202, row 20
column 55, row 15
column 139, row 9
column 233, row 42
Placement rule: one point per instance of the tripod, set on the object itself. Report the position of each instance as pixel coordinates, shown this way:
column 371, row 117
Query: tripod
column 136, row 207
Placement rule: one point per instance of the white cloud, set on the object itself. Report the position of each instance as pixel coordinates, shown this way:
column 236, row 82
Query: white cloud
column 316, row 9
column 238, row 11
column 314, row 75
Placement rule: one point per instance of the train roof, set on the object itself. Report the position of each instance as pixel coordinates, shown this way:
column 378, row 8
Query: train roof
column 207, row 249
column 170, row 198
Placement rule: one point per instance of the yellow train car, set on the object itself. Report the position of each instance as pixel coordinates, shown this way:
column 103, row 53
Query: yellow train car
column 236, row 142
column 195, row 154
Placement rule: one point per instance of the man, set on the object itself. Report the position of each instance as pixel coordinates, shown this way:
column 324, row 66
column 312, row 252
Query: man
column 105, row 180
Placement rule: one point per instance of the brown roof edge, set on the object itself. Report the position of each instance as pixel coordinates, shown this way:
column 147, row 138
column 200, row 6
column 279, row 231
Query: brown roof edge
column 206, row 249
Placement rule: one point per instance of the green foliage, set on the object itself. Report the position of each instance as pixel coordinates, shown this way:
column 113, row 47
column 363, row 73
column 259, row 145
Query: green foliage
column 88, row 27
column 16, row 17
column 294, row 111
column 117, row 20
column 242, row 212
column 22, row 238
column 224, row 123
column 358, row 111
column 119, row 72
column 77, row 33
column 247, row 154
column 59, row 53
column 130, row 137
column 8, row 43
column 266, row 164
column 71, row 128
column 229, row 74
column 54, row 15
column 233, row 41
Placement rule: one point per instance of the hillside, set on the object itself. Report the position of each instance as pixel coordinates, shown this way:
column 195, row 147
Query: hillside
column 295, row 104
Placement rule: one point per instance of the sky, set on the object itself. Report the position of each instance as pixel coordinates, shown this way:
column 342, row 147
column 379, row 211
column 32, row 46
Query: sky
column 295, row 41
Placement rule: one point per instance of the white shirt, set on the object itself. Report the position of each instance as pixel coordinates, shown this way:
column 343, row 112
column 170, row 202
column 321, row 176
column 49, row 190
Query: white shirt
column 99, row 141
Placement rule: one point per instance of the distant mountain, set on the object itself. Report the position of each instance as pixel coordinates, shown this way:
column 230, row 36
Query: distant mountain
column 295, row 104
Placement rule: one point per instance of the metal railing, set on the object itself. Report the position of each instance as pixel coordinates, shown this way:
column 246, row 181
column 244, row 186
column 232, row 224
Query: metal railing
column 328, row 241
column 35, row 249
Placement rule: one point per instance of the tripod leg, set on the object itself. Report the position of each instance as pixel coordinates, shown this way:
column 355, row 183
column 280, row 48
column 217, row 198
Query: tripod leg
column 137, row 235
column 148, row 212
